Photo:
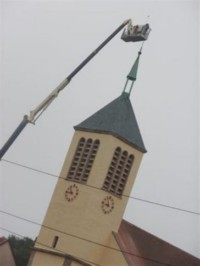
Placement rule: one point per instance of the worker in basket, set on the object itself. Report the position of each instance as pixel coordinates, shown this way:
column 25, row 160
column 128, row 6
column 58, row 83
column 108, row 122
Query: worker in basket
column 136, row 33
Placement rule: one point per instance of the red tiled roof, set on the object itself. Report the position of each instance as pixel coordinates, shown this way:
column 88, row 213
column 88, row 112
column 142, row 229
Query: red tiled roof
column 149, row 250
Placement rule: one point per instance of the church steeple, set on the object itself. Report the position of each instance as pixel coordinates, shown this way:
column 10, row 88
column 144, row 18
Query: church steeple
column 118, row 118
column 90, row 198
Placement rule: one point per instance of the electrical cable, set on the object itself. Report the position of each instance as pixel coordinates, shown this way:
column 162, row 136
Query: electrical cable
column 83, row 239
column 127, row 196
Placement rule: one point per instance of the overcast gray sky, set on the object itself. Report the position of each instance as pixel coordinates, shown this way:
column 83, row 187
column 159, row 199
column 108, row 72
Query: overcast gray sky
column 41, row 43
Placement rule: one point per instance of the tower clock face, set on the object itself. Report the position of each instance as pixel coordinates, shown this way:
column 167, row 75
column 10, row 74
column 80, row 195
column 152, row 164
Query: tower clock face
column 107, row 204
column 72, row 192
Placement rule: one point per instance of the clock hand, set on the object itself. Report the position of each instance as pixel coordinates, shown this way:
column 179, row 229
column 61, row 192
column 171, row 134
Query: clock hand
column 108, row 205
column 69, row 191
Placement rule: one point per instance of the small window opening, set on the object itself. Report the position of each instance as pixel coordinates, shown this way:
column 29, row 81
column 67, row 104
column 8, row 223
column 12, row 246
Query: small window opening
column 55, row 241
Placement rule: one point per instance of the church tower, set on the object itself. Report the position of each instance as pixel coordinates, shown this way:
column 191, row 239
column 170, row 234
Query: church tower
column 91, row 194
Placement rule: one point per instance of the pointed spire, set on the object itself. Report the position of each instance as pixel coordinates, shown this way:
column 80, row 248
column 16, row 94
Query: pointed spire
column 132, row 76
column 133, row 73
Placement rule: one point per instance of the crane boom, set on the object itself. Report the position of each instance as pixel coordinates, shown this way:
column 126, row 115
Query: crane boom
column 34, row 114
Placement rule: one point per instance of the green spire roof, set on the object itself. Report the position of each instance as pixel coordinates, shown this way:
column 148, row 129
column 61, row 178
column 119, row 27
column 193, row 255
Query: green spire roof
column 133, row 73
column 118, row 119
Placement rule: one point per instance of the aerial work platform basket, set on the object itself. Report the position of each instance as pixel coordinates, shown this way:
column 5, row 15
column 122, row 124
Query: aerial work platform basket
column 136, row 33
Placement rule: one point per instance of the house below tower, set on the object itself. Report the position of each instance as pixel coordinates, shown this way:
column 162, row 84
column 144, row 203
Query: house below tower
column 141, row 248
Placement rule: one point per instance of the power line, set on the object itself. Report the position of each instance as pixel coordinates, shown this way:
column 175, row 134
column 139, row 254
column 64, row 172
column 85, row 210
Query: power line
column 165, row 206
column 83, row 239
column 135, row 198
column 46, row 246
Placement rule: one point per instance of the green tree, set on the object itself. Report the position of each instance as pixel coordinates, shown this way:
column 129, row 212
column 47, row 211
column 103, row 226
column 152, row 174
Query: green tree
column 21, row 248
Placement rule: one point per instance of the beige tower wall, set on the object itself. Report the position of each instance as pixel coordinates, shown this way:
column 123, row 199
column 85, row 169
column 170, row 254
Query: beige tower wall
column 84, row 231
column 39, row 258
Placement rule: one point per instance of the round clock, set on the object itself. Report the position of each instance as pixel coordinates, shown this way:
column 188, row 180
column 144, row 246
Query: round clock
column 107, row 204
column 72, row 192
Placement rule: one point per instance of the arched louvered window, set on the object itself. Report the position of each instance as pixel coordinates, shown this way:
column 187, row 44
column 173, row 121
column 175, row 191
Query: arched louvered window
column 83, row 159
column 118, row 172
